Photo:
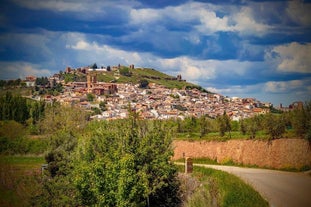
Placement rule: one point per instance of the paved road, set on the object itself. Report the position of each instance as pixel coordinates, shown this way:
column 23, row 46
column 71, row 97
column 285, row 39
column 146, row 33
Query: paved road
column 280, row 189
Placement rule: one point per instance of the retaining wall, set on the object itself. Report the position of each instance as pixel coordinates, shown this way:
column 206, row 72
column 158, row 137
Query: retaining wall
column 280, row 153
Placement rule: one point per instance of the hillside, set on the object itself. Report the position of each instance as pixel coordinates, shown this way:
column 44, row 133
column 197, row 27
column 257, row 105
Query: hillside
column 149, row 74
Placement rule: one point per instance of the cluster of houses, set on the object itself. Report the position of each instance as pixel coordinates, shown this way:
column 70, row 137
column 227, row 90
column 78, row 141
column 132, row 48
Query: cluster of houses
column 155, row 102
column 158, row 102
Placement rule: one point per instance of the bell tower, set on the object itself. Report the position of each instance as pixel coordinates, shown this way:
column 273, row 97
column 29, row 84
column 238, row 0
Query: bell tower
column 91, row 80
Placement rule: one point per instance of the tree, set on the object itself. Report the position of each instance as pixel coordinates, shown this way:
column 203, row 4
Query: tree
column 57, row 184
column 242, row 127
column 189, row 124
column 203, row 126
column 94, row 66
column 252, row 126
column 143, row 83
column 224, row 124
column 14, row 108
column 300, row 122
column 128, row 161
column 274, row 126
column 90, row 97
column 125, row 71
column 102, row 105
column 37, row 111
column 57, row 117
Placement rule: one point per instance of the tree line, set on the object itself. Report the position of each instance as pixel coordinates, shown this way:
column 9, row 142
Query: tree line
column 273, row 125
column 20, row 109
column 10, row 83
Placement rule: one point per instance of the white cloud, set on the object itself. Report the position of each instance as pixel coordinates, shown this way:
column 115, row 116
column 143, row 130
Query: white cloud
column 293, row 57
column 246, row 24
column 13, row 70
column 107, row 53
column 203, row 70
column 189, row 68
column 193, row 70
column 203, row 17
column 142, row 16
column 236, row 89
column 211, row 23
column 283, row 86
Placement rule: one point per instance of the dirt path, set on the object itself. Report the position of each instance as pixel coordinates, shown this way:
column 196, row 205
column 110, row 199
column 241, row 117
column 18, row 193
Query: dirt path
column 280, row 189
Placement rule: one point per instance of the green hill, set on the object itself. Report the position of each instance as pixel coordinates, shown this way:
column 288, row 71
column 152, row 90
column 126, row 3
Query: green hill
column 128, row 75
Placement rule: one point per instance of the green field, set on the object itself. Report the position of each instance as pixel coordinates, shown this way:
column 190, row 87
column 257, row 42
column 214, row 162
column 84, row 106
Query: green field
column 138, row 74
column 17, row 179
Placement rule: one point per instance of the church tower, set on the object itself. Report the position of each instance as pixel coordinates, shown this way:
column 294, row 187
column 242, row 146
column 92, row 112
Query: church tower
column 91, row 80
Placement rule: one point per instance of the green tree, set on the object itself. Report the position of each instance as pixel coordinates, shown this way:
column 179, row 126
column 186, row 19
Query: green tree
column 67, row 118
column 94, row 66
column 224, row 124
column 204, row 125
column 14, row 108
column 234, row 125
column 300, row 120
column 143, row 83
column 37, row 111
column 102, row 105
column 115, row 163
column 253, row 126
column 69, row 78
column 242, row 127
column 62, row 125
column 125, row 71
column 274, row 125
column 129, row 164
column 90, row 97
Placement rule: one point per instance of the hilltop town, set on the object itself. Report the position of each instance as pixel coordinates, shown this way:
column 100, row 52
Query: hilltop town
column 111, row 100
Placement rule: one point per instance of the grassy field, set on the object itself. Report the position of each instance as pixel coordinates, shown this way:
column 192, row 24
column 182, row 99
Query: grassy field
column 17, row 179
column 219, row 188
column 16, row 91
column 153, row 76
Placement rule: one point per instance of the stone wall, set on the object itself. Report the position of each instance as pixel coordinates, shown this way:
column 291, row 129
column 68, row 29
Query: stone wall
column 280, row 153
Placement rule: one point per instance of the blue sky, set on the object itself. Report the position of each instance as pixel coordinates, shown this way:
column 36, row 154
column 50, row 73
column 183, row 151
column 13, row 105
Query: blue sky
column 259, row 49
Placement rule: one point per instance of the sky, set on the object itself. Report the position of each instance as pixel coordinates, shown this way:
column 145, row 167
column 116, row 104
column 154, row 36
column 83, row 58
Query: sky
column 257, row 49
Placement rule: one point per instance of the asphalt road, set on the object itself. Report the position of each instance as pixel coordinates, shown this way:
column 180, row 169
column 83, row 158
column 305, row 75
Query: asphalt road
column 279, row 188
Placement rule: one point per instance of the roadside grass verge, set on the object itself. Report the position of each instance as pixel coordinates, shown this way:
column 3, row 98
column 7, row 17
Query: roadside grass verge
column 18, row 176
column 229, row 162
column 218, row 188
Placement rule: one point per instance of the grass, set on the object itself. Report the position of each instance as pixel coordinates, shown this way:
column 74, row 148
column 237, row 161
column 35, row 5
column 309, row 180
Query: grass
column 153, row 76
column 22, row 161
column 17, row 179
column 16, row 91
column 229, row 162
column 219, row 188
column 214, row 136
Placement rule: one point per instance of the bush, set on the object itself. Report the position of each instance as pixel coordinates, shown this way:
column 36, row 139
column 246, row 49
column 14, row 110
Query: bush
column 125, row 71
